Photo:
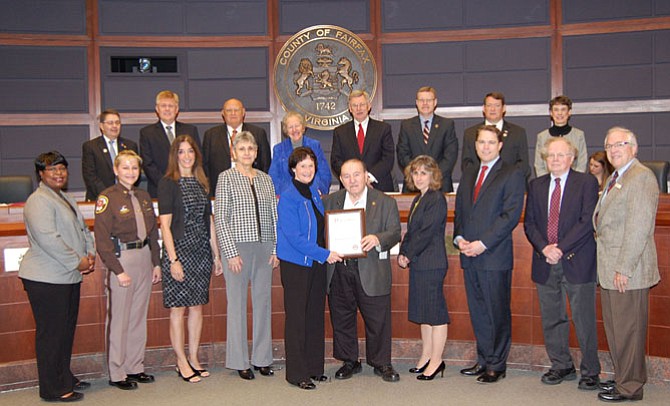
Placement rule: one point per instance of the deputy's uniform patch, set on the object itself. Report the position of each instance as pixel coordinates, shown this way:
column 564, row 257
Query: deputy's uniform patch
column 101, row 204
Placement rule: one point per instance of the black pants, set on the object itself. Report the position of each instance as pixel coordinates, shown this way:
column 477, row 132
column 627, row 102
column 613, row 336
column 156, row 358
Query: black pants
column 346, row 295
column 55, row 309
column 488, row 294
column 304, row 306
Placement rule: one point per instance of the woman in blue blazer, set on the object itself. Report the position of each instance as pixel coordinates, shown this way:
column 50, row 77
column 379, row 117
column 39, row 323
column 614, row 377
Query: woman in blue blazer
column 423, row 250
column 301, row 252
column 293, row 125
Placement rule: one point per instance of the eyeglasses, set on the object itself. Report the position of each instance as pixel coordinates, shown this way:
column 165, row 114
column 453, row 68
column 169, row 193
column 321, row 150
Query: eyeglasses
column 117, row 122
column 559, row 155
column 617, row 145
column 54, row 169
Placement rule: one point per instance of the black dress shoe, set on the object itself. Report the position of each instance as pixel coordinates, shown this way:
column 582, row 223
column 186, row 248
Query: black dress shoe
column 82, row 385
column 68, row 397
column 491, row 376
column 474, row 370
column 387, row 373
column 124, row 384
column 589, row 382
column 140, row 378
column 348, row 369
column 615, row 396
column 247, row 374
column 416, row 370
column 556, row 376
column 607, row 386
column 319, row 378
column 265, row 371
column 307, row 385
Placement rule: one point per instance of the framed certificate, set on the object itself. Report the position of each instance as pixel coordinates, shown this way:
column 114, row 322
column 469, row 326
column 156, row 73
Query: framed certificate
column 344, row 231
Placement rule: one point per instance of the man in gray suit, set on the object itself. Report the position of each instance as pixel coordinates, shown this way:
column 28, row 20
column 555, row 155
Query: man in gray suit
column 428, row 134
column 624, row 222
column 364, row 283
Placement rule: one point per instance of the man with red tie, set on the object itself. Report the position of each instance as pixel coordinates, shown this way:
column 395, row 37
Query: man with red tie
column 366, row 139
column 558, row 225
column 488, row 207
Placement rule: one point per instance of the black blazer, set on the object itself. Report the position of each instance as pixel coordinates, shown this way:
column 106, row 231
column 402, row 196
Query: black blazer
column 171, row 201
column 493, row 217
column 423, row 243
column 442, row 146
column 378, row 151
column 575, row 228
column 97, row 167
column 155, row 150
column 216, row 151
column 514, row 150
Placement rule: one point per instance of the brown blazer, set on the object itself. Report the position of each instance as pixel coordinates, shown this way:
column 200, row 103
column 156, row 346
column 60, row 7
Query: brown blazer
column 624, row 223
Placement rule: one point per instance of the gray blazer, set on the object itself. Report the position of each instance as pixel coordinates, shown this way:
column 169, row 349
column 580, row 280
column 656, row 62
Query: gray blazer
column 381, row 219
column 624, row 222
column 58, row 238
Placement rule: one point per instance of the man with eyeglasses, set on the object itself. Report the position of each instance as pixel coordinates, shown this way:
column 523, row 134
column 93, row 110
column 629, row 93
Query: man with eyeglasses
column 97, row 155
column 216, row 156
column 365, row 139
column 428, row 134
column 155, row 139
column 558, row 225
column 515, row 151
column 624, row 222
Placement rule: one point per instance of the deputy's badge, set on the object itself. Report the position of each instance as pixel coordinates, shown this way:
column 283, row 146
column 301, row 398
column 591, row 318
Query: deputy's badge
column 124, row 209
column 101, row 204
column 318, row 68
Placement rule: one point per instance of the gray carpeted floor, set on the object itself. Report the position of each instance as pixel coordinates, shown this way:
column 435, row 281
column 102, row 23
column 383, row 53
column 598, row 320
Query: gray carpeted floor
column 224, row 387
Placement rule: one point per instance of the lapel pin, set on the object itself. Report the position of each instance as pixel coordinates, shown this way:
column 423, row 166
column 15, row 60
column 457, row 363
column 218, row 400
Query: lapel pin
column 105, row 150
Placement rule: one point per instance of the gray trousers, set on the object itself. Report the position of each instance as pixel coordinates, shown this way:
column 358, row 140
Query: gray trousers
column 257, row 271
column 556, row 325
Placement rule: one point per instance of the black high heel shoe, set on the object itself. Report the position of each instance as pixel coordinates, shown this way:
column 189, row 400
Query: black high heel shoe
column 416, row 370
column 430, row 377
column 195, row 378
column 201, row 372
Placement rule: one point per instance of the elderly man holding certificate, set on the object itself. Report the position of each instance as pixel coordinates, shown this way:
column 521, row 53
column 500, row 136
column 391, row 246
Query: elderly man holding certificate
column 364, row 282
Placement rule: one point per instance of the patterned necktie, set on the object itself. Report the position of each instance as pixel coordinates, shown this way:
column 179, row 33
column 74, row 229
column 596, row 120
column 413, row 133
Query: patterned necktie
column 112, row 150
column 612, row 181
column 426, row 132
column 554, row 210
column 139, row 217
column 170, row 134
column 361, row 138
column 478, row 186
column 232, row 139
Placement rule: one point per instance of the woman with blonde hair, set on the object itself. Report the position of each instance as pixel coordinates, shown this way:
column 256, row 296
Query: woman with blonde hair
column 423, row 250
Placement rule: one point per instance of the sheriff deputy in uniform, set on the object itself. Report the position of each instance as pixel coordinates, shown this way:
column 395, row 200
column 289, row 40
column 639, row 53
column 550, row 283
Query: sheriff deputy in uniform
column 126, row 237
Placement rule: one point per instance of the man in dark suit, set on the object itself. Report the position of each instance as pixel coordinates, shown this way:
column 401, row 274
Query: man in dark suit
column 364, row 283
column 365, row 139
column 558, row 224
column 216, row 144
column 428, row 134
column 624, row 221
column 97, row 155
column 515, row 150
column 155, row 139
column 488, row 207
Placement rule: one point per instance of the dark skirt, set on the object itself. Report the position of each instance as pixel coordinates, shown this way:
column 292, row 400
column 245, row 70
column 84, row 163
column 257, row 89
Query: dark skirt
column 427, row 304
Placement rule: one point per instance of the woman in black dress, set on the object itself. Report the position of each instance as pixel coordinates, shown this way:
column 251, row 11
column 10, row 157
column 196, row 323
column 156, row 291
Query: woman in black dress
column 188, row 243
column 424, row 251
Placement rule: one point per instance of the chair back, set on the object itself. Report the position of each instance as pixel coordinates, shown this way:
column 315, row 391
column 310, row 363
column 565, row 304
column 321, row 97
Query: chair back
column 15, row 189
column 660, row 169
